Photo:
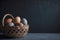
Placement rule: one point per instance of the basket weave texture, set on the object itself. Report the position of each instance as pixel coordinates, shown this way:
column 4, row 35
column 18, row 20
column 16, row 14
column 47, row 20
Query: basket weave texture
column 15, row 31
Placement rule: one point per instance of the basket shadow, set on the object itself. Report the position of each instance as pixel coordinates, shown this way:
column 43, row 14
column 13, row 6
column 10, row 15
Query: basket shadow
column 5, row 37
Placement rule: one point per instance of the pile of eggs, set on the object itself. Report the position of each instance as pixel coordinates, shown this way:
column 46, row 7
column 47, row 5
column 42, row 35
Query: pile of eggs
column 18, row 21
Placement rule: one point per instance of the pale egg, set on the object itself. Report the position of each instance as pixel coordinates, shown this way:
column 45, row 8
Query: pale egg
column 17, row 19
column 24, row 20
column 11, row 24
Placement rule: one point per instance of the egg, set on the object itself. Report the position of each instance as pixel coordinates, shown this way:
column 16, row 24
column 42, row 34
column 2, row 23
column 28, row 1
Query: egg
column 21, row 24
column 24, row 20
column 9, row 20
column 11, row 24
column 17, row 19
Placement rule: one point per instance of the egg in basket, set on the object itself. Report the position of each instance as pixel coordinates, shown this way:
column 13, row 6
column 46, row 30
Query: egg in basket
column 14, row 27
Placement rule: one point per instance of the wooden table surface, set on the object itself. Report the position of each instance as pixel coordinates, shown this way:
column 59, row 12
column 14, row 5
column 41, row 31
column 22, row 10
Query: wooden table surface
column 36, row 36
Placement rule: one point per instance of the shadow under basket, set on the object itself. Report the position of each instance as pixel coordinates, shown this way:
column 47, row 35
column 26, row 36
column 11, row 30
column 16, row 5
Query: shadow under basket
column 14, row 31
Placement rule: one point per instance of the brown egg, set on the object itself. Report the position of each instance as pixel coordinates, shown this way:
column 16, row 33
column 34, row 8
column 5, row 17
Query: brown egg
column 21, row 24
column 17, row 19
column 9, row 20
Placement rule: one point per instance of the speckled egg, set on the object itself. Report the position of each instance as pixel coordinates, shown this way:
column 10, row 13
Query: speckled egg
column 24, row 20
column 9, row 20
column 11, row 24
column 17, row 19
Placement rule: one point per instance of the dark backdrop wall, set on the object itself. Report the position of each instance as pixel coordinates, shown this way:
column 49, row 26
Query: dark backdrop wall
column 42, row 15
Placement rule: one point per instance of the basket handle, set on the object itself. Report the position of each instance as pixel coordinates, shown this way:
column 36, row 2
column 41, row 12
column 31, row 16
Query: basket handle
column 5, row 17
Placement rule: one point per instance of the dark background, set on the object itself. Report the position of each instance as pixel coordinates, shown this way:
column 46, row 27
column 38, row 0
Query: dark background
column 43, row 15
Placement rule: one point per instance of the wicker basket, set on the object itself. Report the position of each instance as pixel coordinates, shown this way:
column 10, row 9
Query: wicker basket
column 15, row 31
